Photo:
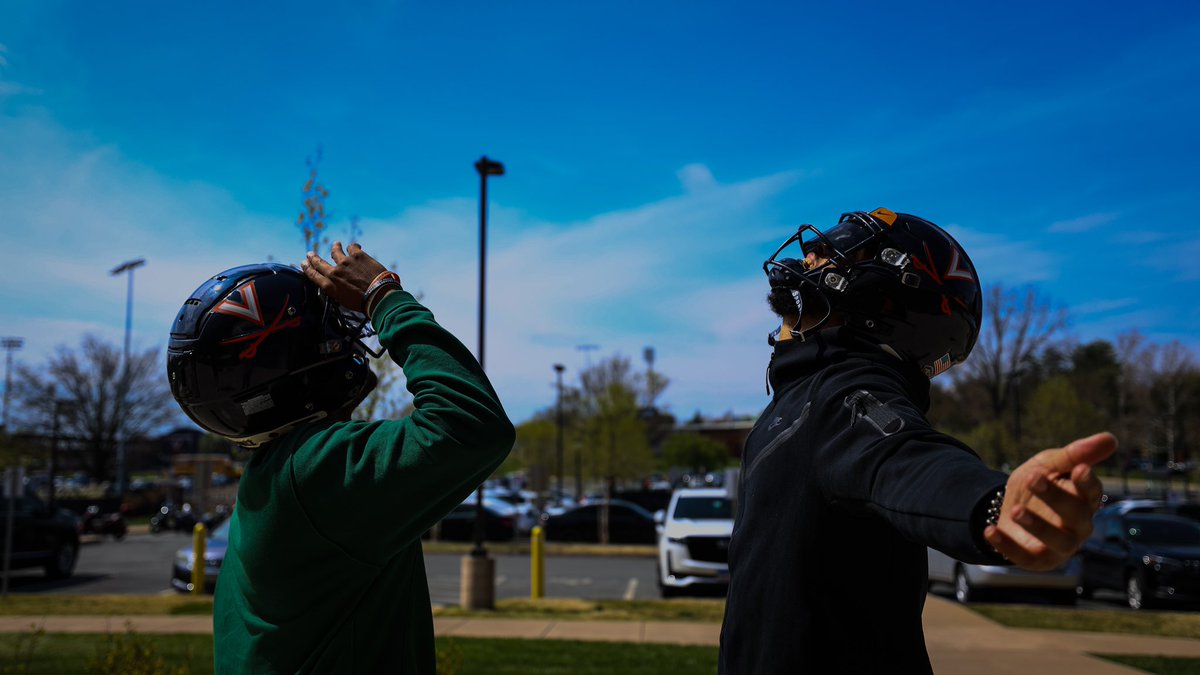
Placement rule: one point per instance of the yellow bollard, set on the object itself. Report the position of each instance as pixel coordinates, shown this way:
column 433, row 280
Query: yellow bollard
column 537, row 557
column 199, row 543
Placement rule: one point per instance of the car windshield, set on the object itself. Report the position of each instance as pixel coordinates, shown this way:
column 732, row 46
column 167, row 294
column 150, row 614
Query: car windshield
column 703, row 508
column 1164, row 532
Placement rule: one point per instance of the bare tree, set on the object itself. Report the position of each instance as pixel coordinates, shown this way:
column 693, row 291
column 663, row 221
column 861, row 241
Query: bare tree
column 101, row 405
column 1171, row 365
column 1018, row 324
column 311, row 220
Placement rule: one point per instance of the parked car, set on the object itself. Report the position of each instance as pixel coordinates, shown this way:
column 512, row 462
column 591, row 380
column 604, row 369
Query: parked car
column 1151, row 557
column 96, row 522
column 41, row 536
column 1146, row 505
column 693, row 542
column 499, row 521
column 973, row 582
column 628, row 524
column 525, row 513
column 214, row 555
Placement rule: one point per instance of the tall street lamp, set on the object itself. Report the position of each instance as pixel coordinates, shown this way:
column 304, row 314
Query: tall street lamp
column 128, row 266
column 478, row 587
column 10, row 345
column 558, row 370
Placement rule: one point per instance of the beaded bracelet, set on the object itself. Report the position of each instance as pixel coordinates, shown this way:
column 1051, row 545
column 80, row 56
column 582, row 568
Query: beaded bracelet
column 994, row 507
column 385, row 279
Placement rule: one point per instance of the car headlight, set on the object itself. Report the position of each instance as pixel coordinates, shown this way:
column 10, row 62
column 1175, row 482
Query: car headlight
column 1161, row 561
column 677, row 540
column 183, row 558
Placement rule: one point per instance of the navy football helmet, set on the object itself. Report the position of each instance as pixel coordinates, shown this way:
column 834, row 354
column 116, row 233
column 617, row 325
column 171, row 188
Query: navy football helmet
column 257, row 350
column 899, row 279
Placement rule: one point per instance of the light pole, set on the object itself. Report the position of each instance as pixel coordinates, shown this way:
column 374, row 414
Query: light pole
column 10, row 344
column 478, row 583
column 587, row 352
column 123, row 389
column 558, row 370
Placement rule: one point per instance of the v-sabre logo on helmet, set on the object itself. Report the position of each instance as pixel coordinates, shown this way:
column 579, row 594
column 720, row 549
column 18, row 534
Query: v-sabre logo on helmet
column 277, row 325
column 247, row 309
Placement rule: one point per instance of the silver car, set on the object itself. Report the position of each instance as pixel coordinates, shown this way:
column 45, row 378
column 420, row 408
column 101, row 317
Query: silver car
column 971, row 582
column 693, row 541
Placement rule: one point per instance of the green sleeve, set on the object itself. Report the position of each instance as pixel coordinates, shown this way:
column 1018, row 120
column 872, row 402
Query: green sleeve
column 375, row 487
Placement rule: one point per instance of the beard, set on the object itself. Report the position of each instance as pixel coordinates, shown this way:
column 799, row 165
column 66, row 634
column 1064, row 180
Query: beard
column 783, row 303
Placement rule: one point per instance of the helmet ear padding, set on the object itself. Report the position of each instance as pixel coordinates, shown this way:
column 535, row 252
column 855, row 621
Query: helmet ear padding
column 258, row 350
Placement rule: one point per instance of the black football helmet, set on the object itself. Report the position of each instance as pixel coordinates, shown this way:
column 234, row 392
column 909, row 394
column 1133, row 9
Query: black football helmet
column 899, row 279
column 258, row 350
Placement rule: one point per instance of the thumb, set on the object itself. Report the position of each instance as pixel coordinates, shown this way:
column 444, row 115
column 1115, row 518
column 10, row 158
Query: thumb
column 1091, row 451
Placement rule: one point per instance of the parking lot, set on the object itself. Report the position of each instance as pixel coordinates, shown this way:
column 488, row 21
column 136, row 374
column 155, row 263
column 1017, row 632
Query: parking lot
column 141, row 564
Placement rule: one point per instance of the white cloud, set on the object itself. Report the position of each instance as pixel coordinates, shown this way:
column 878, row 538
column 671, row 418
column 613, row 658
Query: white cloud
column 1103, row 306
column 696, row 178
column 668, row 273
column 1000, row 259
column 1082, row 224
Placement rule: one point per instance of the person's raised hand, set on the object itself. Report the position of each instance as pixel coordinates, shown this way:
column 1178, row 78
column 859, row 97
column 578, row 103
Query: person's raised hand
column 347, row 278
column 1049, row 503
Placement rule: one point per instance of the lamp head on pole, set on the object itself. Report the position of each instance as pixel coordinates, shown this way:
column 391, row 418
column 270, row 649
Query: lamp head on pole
column 558, row 368
column 488, row 167
column 126, row 266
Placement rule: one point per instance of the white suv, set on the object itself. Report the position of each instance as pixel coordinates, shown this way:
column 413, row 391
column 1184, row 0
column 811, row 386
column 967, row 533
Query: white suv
column 693, row 541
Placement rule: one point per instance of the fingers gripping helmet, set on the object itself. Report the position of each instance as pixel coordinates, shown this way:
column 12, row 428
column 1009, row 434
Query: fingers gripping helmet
column 257, row 350
column 899, row 279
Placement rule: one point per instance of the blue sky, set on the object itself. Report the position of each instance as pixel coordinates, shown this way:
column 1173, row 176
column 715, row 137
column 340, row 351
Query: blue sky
column 656, row 154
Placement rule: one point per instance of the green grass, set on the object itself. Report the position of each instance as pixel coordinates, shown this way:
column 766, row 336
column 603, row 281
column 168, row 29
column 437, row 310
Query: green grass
column 1159, row 665
column 1167, row 624
column 562, row 657
column 105, row 605
column 61, row 653
column 689, row 609
column 57, row 653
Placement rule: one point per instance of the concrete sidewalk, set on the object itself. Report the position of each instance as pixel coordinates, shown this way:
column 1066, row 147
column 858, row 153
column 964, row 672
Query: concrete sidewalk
column 959, row 640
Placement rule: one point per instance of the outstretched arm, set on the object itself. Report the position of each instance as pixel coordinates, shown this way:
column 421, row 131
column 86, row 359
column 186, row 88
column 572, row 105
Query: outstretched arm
column 1049, row 502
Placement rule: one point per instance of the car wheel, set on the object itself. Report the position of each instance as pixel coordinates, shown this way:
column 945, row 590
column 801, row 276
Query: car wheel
column 62, row 564
column 663, row 589
column 1135, row 592
column 964, row 592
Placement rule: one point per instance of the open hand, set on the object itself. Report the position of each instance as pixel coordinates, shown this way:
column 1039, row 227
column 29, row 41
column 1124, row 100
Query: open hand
column 347, row 278
column 1049, row 503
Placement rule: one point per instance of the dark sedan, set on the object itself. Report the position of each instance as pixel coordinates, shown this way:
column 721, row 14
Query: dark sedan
column 1150, row 557
column 459, row 525
column 628, row 523
column 41, row 537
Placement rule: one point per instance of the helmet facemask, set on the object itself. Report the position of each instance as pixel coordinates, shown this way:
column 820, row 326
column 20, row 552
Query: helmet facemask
column 813, row 266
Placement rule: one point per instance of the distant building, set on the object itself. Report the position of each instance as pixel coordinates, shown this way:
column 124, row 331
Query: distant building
column 728, row 431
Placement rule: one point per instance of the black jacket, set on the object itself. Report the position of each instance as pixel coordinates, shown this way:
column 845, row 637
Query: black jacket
column 843, row 485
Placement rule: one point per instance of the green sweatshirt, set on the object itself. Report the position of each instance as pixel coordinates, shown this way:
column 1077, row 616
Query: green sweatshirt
column 324, row 573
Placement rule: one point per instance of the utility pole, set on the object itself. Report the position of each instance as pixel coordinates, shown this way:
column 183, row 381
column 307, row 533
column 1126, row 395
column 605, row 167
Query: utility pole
column 478, row 571
column 123, row 388
column 10, row 345
column 558, row 371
